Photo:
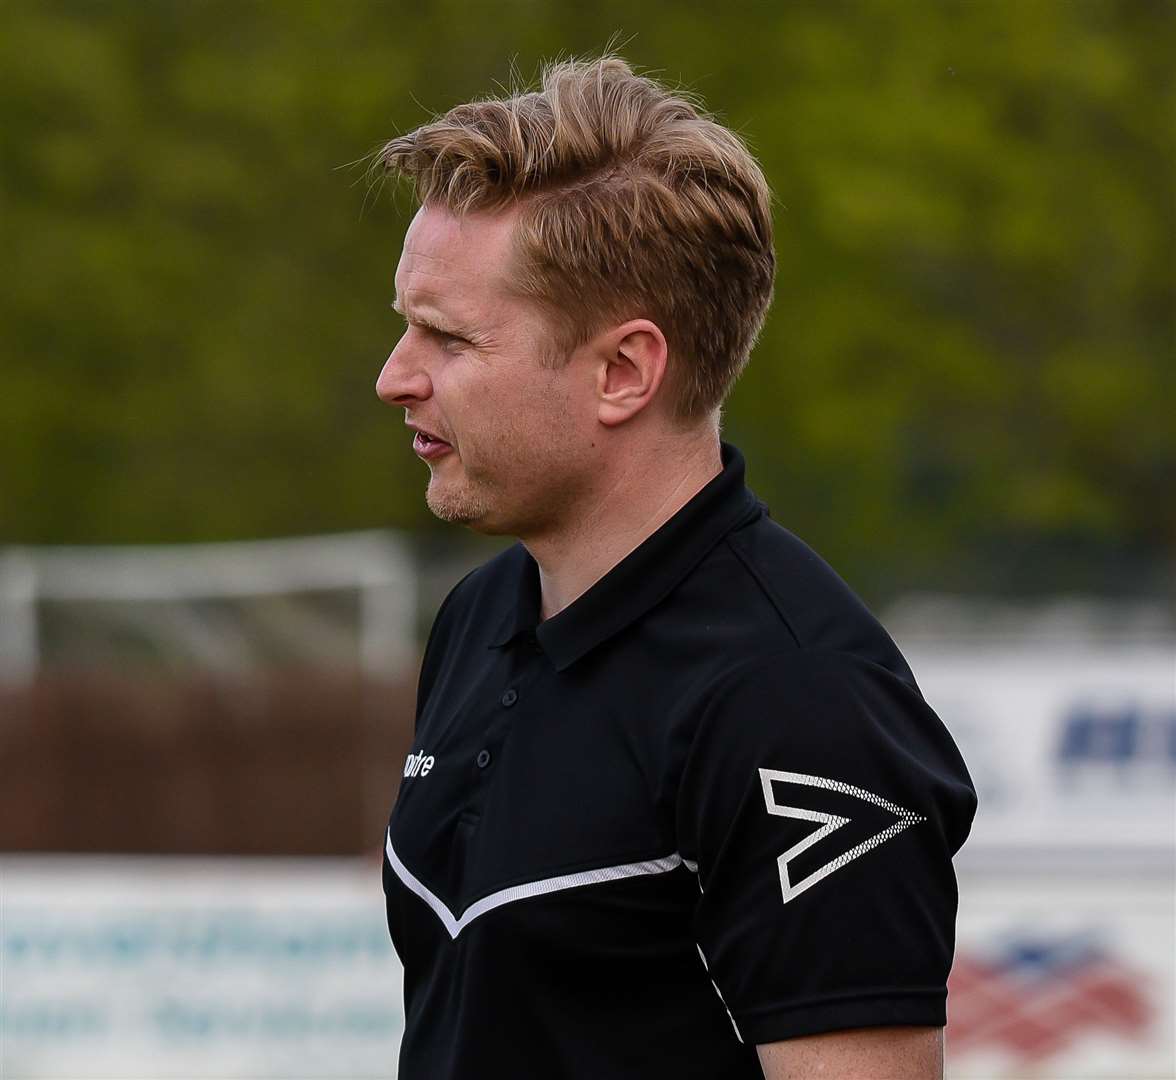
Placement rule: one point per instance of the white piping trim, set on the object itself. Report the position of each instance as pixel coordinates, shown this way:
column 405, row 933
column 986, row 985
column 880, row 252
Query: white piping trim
column 706, row 968
column 454, row 925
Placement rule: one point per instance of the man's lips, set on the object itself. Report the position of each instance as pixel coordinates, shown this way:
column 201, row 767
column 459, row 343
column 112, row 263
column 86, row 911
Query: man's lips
column 428, row 446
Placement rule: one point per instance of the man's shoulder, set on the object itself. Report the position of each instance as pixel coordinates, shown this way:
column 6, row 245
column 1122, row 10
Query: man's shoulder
column 464, row 612
column 497, row 577
column 486, row 588
column 813, row 608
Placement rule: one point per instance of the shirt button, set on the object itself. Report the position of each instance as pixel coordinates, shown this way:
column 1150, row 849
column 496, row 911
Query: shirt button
column 510, row 697
column 483, row 758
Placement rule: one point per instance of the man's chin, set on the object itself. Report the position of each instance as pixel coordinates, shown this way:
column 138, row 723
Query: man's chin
column 458, row 509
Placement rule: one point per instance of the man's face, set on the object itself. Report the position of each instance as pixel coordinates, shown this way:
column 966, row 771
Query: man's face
column 468, row 371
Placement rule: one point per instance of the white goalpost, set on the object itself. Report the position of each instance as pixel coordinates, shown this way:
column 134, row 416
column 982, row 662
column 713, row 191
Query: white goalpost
column 346, row 599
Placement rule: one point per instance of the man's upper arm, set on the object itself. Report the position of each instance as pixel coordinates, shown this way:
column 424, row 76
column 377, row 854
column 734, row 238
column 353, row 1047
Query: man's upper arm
column 903, row 1053
column 823, row 800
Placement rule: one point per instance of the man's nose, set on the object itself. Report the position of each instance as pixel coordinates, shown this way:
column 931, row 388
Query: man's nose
column 403, row 379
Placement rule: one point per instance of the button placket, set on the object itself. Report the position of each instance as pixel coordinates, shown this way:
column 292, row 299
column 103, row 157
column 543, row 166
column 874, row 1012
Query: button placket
column 506, row 700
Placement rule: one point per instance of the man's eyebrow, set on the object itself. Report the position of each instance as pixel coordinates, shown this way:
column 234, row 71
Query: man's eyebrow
column 431, row 324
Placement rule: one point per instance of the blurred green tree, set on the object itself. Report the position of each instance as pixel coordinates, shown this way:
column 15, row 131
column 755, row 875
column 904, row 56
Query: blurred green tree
column 966, row 381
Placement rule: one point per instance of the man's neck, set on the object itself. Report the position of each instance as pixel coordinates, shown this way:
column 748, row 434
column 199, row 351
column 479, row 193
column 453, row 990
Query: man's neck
column 639, row 498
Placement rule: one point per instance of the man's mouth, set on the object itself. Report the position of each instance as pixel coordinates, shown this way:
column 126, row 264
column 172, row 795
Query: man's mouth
column 427, row 446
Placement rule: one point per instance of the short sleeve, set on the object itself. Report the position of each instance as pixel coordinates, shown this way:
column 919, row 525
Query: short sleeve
column 822, row 800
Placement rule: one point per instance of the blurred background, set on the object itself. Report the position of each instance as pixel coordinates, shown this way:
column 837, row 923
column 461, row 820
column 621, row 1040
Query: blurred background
column 217, row 569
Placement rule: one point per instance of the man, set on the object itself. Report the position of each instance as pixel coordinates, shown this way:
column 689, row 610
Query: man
column 675, row 806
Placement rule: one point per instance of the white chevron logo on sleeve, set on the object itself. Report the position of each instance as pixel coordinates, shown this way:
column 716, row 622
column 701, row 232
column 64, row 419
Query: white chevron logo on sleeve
column 830, row 823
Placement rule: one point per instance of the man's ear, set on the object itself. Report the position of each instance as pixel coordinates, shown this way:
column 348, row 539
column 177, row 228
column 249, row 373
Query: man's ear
column 631, row 365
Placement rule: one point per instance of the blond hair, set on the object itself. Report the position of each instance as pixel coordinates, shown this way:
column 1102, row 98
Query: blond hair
column 634, row 203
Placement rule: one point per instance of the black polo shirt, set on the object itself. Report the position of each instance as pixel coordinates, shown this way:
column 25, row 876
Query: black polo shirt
column 703, row 807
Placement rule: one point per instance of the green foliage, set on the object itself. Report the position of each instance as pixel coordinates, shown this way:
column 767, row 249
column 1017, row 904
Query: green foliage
column 968, row 368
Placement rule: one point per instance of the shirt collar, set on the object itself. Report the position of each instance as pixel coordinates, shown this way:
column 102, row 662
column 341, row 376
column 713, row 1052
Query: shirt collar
column 640, row 580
